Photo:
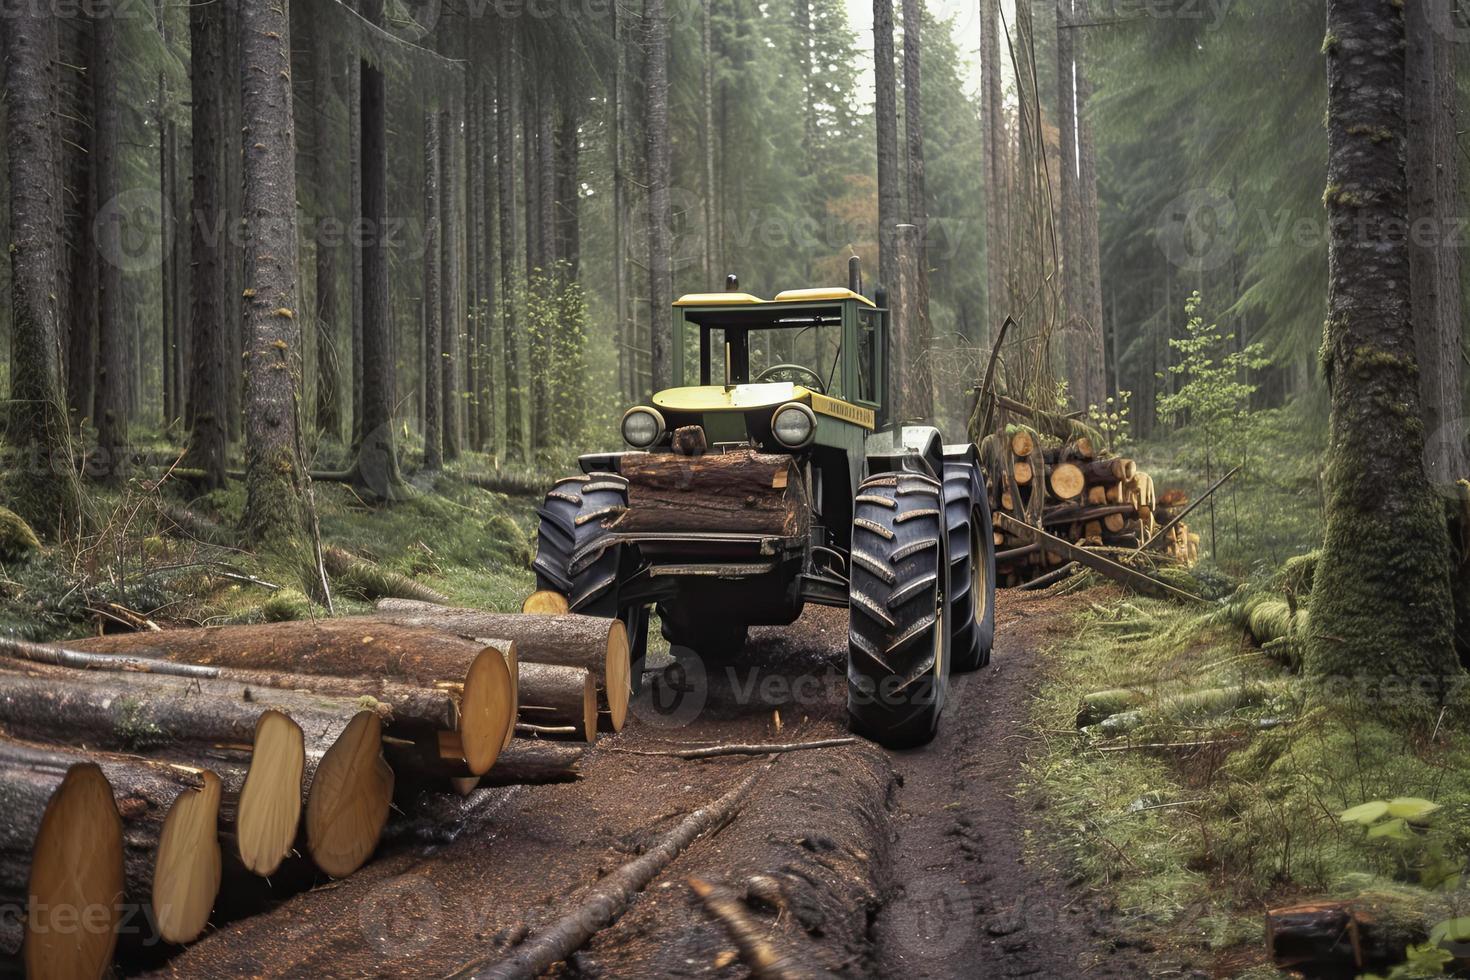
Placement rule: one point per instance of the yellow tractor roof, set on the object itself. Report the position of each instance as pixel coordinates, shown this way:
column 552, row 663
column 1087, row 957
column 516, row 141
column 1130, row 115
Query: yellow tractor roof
column 717, row 299
column 821, row 294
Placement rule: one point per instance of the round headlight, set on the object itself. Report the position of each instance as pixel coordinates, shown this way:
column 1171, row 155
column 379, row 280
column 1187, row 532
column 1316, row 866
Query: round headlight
column 793, row 425
column 642, row 427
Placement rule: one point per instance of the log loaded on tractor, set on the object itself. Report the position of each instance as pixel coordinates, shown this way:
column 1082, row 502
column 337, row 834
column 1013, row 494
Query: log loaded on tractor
column 773, row 474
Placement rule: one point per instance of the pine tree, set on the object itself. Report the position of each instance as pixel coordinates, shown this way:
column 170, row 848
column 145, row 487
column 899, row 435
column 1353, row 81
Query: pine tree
column 42, row 483
column 1385, row 528
column 275, row 479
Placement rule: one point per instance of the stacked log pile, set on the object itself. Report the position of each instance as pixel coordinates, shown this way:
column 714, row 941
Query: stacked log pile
column 171, row 771
column 1092, row 499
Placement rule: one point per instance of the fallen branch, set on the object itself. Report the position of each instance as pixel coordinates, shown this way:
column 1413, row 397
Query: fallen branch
column 606, row 900
column 1159, row 534
column 766, row 962
column 711, row 751
column 374, row 581
column 1118, row 573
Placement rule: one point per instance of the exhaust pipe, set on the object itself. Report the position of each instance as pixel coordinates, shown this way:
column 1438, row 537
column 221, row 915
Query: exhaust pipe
column 855, row 274
column 885, row 382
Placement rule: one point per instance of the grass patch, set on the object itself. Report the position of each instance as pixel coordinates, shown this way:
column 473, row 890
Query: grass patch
column 470, row 544
column 1212, row 790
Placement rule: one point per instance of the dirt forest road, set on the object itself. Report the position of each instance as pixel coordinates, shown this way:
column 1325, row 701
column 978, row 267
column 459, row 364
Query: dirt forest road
column 851, row 861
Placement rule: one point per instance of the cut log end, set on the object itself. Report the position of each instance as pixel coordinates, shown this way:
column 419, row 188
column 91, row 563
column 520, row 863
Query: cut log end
column 1067, row 481
column 76, row 877
column 488, row 707
column 270, row 801
column 546, row 603
column 186, row 872
column 350, row 795
column 619, row 678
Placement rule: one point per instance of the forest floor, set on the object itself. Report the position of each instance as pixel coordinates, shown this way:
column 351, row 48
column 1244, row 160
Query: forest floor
column 928, row 863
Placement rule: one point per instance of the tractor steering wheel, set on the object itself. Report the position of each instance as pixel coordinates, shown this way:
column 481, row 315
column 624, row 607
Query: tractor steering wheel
column 794, row 374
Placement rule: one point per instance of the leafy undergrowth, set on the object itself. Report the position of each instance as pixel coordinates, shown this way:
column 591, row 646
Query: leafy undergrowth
column 1189, row 776
column 137, row 563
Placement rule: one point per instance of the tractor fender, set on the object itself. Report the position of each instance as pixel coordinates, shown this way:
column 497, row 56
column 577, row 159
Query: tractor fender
column 914, row 448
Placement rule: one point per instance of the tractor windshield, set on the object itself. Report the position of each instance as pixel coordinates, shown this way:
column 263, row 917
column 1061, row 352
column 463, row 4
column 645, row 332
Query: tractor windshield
column 804, row 350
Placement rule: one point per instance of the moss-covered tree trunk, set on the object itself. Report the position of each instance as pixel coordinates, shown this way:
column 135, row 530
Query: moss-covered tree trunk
column 274, row 472
column 326, row 168
column 1381, row 604
column 451, row 285
column 41, row 482
column 209, row 409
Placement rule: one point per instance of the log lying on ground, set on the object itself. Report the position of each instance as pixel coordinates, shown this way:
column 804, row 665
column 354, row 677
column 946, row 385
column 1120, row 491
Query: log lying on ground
column 372, row 581
column 354, row 647
column 62, row 843
column 406, row 708
column 589, row 642
column 1340, row 938
column 556, row 695
column 743, row 491
column 524, row 762
column 168, row 849
column 269, row 810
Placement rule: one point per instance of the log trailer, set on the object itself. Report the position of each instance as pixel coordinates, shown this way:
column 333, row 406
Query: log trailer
column 773, row 474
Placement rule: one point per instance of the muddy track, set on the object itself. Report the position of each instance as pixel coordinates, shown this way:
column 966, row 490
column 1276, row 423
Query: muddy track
column 855, row 861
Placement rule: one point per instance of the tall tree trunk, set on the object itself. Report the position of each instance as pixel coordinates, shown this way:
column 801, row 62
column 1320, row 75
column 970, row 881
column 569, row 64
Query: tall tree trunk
column 538, row 346
column 210, row 349
column 1074, row 355
column 275, row 479
column 234, row 259
column 165, row 221
column 377, row 458
column 433, row 333
column 472, row 260
column 568, row 195
column 505, row 187
column 885, row 112
column 621, row 333
column 660, row 208
column 992, row 113
column 450, row 289
column 355, row 238
column 1386, row 533
column 1434, row 258
column 325, row 175
column 1089, row 252
column 481, row 155
column 708, row 136
column 913, row 125
column 80, row 270
column 114, row 343
column 43, row 488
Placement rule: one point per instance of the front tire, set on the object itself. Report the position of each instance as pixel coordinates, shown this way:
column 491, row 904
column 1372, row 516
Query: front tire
column 577, row 555
column 971, row 565
column 899, row 637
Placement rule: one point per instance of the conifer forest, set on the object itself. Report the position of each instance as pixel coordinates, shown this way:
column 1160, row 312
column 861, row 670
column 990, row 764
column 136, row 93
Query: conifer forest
column 785, row 489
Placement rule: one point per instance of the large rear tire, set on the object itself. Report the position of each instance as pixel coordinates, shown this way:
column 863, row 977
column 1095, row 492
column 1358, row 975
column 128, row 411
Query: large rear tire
column 577, row 555
column 971, row 565
column 899, row 637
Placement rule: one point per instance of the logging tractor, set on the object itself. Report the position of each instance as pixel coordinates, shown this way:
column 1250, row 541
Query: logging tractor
column 773, row 474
